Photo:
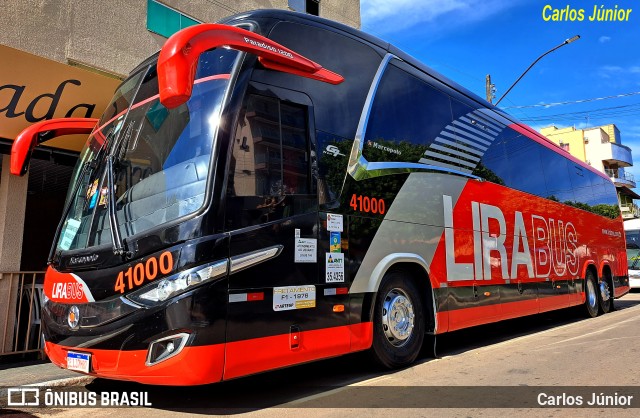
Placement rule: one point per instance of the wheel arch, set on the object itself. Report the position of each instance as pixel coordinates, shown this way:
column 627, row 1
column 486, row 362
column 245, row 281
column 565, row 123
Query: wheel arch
column 607, row 275
column 589, row 264
column 416, row 267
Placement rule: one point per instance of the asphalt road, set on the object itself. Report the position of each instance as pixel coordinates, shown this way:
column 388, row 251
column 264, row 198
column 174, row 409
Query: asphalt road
column 476, row 371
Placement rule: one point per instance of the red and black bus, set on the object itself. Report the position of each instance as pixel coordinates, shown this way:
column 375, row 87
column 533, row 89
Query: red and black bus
column 278, row 188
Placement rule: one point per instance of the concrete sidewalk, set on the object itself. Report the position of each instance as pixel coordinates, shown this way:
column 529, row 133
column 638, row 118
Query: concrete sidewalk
column 39, row 373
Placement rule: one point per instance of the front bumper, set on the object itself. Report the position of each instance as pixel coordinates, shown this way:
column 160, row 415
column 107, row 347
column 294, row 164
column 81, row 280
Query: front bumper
column 119, row 346
column 192, row 366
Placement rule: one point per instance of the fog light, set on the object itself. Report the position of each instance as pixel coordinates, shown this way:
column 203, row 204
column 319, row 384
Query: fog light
column 165, row 348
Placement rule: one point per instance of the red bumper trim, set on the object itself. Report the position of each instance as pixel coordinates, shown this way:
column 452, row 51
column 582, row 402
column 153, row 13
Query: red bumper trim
column 193, row 366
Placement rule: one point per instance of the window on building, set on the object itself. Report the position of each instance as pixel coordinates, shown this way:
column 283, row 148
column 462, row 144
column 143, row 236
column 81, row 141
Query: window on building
column 564, row 146
column 306, row 6
column 166, row 21
column 313, row 7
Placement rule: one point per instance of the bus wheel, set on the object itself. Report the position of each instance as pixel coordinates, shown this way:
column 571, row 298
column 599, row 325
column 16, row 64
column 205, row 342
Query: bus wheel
column 398, row 327
column 591, row 302
column 604, row 297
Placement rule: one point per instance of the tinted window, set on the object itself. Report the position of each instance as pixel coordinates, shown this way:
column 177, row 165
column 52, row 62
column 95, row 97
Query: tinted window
column 406, row 116
column 603, row 191
column 581, row 181
column 479, row 140
column 525, row 165
column 557, row 176
column 270, row 163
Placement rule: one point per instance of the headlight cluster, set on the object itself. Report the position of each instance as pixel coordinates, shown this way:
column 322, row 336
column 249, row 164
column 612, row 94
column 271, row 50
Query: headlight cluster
column 157, row 292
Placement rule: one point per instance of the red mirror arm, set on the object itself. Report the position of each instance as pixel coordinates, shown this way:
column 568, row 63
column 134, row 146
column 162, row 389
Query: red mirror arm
column 43, row 131
column 179, row 57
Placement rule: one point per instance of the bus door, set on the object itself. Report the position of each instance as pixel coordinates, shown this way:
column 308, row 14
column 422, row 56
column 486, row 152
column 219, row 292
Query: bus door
column 275, row 311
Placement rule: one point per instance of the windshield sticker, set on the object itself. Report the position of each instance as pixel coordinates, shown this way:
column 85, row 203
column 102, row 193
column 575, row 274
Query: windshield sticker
column 69, row 234
column 92, row 195
column 104, row 193
column 306, row 250
column 92, row 189
column 334, row 222
column 334, row 268
column 294, row 297
column 335, row 242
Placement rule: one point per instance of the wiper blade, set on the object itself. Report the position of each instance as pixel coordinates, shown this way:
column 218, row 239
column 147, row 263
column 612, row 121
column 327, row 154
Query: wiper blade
column 116, row 240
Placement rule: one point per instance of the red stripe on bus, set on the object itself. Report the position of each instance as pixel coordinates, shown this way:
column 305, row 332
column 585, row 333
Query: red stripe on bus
column 193, row 366
column 469, row 317
column 204, row 364
column 267, row 353
column 255, row 296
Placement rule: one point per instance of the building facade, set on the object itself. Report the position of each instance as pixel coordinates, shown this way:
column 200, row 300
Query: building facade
column 63, row 58
column 601, row 147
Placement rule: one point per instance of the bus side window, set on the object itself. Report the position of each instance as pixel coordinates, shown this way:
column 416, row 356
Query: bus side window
column 525, row 165
column 270, row 164
column 406, row 117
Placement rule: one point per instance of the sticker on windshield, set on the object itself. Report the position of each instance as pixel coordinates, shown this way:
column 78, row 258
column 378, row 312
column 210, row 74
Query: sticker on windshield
column 92, row 194
column 69, row 234
column 104, row 193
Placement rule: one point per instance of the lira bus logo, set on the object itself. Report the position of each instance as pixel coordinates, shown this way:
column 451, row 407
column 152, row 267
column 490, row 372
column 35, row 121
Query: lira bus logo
column 554, row 250
column 68, row 291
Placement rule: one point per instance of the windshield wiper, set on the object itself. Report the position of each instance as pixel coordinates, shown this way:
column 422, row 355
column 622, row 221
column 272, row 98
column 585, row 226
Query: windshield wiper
column 116, row 240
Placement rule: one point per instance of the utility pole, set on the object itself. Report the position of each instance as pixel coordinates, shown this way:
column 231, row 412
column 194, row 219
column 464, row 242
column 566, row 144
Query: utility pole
column 490, row 89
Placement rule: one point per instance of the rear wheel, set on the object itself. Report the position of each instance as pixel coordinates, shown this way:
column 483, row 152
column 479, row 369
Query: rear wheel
column 604, row 297
column 398, row 327
column 591, row 302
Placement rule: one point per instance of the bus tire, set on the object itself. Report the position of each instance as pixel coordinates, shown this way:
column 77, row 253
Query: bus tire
column 604, row 297
column 398, row 321
column 591, row 295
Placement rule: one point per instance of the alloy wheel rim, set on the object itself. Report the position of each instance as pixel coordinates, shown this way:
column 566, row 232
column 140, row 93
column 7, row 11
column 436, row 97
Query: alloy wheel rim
column 398, row 317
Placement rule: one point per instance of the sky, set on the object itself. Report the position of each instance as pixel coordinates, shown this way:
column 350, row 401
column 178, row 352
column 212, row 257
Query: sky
column 467, row 39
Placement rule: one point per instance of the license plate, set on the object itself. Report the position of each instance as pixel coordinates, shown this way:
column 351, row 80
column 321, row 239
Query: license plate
column 78, row 361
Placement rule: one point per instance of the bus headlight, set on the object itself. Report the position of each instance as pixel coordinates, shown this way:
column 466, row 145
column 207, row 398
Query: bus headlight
column 171, row 286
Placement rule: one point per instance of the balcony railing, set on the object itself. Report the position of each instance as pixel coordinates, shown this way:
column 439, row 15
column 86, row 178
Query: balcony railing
column 629, row 211
column 618, row 154
column 620, row 177
column 20, row 307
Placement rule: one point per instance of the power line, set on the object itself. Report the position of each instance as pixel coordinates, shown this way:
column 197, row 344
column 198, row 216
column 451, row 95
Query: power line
column 612, row 112
column 617, row 96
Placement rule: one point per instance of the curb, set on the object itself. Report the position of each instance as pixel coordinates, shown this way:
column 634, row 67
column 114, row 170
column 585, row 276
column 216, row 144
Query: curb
column 69, row 381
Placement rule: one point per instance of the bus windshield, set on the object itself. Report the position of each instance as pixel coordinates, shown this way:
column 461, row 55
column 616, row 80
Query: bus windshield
column 159, row 157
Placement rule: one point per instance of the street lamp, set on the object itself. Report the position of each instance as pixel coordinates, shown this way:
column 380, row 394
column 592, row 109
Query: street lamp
column 568, row 41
